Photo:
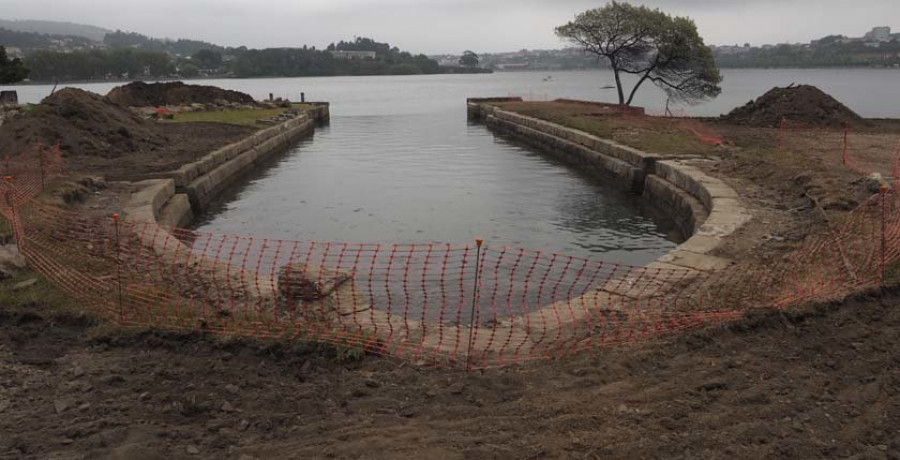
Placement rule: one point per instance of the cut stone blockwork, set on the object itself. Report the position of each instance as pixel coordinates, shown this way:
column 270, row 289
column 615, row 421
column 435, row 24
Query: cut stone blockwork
column 705, row 209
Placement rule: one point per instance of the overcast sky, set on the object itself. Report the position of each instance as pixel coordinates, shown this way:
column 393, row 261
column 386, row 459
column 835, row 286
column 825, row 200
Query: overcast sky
column 447, row 26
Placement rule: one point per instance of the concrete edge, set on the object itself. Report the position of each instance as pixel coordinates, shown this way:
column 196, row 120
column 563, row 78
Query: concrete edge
column 705, row 208
column 173, row 199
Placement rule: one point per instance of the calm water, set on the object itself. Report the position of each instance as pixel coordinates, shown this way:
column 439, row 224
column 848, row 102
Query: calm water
column 399, row 163
column 870, row 92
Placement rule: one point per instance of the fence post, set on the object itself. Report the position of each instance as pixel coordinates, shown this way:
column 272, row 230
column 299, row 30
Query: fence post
column 478, row 243
column 883, row 191
column 115, row 219
column 13, row 218
column 846, row 144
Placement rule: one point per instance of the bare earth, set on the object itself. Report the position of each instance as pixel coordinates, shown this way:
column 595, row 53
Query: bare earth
column 816, row 382
column 821, row 382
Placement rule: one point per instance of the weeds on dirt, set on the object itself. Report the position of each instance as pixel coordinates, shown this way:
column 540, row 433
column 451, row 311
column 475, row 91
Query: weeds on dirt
column 247, row 117
column 651, row 134
column 42, row 292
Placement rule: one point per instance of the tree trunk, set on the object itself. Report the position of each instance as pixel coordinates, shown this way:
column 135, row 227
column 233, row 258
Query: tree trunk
column 615, row 70
column 636, row 86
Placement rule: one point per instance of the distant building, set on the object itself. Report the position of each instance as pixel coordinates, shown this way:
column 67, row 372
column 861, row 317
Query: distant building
column 354, row 55
column 14, row 52
column 879, row 35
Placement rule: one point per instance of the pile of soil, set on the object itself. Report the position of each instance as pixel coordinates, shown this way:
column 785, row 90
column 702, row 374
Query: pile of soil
column 803, row 104
column 140, row 94
column 97, row 136
column 84, row 124
column 818, row 383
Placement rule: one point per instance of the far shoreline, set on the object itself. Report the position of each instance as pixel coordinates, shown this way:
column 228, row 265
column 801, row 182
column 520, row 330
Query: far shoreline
column 495, row 71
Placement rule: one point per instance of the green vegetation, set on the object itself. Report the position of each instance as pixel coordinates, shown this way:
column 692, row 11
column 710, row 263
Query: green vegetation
column 650, row 134
column 131, row 55
column 11, row 70
column 180, row 47
column 90, row 65
column 649, row 44
column 36, row 40
column 235, row 117
column 301, row 62
column 468, row 59
column 43, row 292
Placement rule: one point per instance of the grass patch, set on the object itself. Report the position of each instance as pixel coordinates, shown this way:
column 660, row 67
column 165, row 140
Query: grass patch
column 234, row 117
column 43, row 293
column 650, row 134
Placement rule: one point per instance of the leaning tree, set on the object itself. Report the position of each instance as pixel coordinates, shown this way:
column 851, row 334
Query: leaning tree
column 468, row 59
column 651, row 45
column 11, row 70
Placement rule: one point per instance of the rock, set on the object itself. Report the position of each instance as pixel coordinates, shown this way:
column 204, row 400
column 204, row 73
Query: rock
column 372, row 383
column 4, row 404
column 233, row 389
column 61, row 405
column 24, row 284
column 193, row 450
column 227, row 407
column 144, row 396
column 77, row 371
column 298, row 282
column 456, row 388
column 242, row 426
column 10, row 259
column 246, row 457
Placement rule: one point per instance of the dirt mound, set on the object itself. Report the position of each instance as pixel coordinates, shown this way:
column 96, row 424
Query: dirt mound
column 84, row 124
column 804, row 104
column 140, row 94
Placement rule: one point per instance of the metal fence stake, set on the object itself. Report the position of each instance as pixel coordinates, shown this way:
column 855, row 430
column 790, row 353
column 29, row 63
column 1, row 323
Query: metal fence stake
column 115, row 219
column 478, row 244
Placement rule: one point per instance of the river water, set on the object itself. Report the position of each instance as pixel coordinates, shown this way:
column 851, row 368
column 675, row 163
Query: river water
column 399, row 163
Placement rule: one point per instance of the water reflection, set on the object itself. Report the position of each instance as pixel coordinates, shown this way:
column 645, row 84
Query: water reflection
column 436, row 178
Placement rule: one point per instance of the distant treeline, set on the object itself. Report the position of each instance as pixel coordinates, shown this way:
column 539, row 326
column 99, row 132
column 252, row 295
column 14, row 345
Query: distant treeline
column 131, row 56
column 97, row 65
column 11, row 38
column 828, row 52
column 180, row 47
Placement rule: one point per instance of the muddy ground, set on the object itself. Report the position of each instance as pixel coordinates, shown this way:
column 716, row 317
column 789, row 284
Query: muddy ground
column 793, row 181
column 823, row 381
column 98, row 137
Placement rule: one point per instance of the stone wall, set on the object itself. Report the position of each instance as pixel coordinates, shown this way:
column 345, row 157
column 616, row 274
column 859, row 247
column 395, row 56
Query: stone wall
column 704, row 208
column 174, row 198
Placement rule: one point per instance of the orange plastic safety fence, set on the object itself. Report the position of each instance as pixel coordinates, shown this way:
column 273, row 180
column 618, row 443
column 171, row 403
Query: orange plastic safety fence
column 477, row 304
column 861, row 151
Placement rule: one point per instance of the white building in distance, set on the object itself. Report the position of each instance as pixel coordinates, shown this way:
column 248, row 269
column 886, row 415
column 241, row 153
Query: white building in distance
column 879, row 34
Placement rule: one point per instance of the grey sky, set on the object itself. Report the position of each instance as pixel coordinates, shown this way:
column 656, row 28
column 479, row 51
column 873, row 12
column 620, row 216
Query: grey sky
column 438, row 26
